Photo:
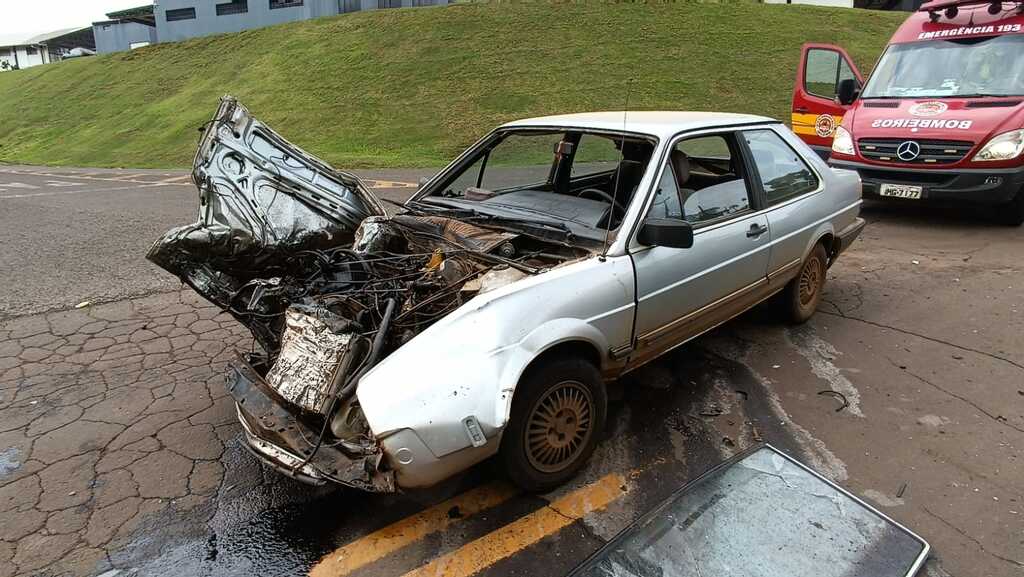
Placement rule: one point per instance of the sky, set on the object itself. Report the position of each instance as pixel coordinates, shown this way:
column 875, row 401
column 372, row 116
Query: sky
column 24, row 18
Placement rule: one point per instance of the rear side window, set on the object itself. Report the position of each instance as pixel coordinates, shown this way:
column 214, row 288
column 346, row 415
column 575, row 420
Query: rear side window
column 782, row 172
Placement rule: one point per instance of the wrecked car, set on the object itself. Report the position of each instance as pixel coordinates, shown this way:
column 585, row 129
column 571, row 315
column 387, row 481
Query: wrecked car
column 486, row 315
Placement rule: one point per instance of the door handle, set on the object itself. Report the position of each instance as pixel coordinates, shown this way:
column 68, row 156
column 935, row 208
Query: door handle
column 800, row 109
column 756, row 230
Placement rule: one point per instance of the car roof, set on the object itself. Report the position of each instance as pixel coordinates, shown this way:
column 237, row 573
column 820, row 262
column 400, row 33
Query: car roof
column 663, row 124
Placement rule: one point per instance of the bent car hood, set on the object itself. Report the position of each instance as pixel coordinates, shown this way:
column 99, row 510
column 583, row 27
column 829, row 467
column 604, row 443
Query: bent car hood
column 261, row 200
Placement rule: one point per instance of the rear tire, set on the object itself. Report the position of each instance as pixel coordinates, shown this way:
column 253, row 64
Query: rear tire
column 803, row 293
column 1012, row 213
column 558, row 413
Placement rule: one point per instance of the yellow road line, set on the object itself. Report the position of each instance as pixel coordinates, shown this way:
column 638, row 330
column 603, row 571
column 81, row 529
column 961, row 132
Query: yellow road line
column 525, row 531
column 385, row 541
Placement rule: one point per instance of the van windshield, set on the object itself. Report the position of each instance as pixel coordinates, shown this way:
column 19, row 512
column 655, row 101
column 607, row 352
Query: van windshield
column 990, row 66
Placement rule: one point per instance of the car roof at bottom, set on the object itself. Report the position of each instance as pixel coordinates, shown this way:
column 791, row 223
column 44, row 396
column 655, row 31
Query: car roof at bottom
column 663, row 124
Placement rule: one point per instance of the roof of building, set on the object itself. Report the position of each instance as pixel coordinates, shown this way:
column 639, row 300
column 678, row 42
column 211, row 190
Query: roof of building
column 11, row 39
column 663, row 124
column 20, row 40
column 41, row 38
column 139, row 14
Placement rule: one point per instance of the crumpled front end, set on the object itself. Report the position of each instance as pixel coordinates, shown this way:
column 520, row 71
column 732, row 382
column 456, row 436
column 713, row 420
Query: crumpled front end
column 276, row 433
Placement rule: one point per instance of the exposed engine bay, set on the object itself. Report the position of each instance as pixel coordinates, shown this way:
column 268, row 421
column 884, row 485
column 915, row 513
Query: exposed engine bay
column 305, row 257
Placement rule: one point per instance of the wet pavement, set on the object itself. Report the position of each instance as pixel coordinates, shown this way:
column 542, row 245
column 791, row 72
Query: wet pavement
column 119, row 452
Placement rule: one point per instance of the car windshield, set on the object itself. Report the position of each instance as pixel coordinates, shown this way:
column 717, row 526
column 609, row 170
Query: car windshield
column 579, row 179
column 990, row 66
column 760, row 514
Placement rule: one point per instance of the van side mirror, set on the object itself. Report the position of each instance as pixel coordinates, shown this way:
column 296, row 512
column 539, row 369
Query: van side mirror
column 847, row 91
column 668, row 232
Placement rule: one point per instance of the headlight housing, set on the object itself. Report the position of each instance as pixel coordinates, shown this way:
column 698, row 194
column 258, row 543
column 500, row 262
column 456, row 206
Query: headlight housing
column 842, row 142
column 1005, row 146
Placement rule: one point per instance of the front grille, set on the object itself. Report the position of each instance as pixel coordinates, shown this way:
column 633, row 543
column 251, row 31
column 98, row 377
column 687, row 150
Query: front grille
column 898, row 177
column 932, row 151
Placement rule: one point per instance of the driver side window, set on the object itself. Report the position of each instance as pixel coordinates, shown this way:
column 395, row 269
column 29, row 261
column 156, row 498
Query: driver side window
column 705, row 178
column 666, row 202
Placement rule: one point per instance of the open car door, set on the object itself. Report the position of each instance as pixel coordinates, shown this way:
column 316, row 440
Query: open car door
column 816, row 111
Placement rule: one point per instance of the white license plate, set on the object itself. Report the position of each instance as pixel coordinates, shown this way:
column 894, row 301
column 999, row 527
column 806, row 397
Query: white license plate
column 900, row 191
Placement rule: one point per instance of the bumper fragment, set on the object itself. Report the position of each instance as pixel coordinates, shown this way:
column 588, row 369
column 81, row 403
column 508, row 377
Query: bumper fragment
column 284, row 442
column 975, row 186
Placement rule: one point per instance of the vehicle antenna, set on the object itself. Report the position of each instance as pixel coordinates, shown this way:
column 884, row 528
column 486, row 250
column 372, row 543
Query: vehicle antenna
column 618, row 174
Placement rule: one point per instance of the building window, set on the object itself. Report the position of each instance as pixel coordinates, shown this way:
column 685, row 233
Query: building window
column 31, row 50
column 275, row 4
column 180, row 14
column 233, row 7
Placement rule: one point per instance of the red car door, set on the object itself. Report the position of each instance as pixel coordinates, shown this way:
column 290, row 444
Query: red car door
column 816, row 112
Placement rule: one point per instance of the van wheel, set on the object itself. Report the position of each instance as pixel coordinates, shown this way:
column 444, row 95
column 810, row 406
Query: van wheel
column 804, row 292
column 1012, row 213
column 558, row 412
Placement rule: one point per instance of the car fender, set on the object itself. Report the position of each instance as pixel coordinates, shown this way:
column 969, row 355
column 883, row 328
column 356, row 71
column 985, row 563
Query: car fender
column 536, row 343
column 823, row 229
column 467, row 364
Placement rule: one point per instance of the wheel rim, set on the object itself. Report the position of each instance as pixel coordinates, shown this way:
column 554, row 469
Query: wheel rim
column 810, row 280
column 559, row 426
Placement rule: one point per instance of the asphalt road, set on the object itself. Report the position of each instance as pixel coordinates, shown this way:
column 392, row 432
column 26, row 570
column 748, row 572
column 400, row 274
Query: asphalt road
column 119, row 451
column 71, row 235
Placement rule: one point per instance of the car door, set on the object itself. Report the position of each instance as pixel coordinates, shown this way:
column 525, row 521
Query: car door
column 816, row 112
column 789, row 190
column 684, row 292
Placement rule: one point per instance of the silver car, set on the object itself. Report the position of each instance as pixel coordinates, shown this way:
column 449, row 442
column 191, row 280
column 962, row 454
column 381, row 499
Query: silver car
column 486, row 316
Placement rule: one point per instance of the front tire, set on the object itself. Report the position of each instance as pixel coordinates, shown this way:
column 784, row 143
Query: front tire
column 558, row 412
column 803, row 293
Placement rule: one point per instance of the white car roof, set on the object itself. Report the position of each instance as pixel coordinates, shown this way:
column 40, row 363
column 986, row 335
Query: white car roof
column 663, row 124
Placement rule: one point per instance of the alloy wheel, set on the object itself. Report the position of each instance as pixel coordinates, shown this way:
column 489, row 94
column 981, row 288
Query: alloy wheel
column 810, row 280
column 559, row 426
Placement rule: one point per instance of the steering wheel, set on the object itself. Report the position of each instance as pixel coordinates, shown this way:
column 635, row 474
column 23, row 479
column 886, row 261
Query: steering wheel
column 604, row 195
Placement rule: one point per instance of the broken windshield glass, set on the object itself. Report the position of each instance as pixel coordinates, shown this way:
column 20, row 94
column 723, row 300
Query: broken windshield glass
column 765, row 515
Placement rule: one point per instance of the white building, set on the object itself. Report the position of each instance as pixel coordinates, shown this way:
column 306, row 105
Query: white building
column 19, row 52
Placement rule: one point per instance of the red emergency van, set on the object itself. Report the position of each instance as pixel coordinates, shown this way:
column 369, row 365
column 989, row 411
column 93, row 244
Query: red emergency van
column 942, row 116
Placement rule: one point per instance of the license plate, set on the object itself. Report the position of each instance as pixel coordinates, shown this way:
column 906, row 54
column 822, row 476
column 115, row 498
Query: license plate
column 901, row 191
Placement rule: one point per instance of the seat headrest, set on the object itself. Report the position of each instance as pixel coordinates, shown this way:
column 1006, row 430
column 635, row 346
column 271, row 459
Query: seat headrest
column 681, row 164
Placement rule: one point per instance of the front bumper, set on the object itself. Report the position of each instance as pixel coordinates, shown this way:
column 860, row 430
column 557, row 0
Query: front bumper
column 975, row 186
column 284, row 442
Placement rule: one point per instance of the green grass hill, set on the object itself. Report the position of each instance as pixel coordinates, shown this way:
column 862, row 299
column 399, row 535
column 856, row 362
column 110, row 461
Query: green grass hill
column 412, row 87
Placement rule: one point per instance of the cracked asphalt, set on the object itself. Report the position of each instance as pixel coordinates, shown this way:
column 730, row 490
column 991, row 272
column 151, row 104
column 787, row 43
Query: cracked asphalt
column 119, row 452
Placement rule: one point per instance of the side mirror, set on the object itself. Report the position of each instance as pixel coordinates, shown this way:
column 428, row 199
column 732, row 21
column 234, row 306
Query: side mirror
column 847, row 91
column 667, row 232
